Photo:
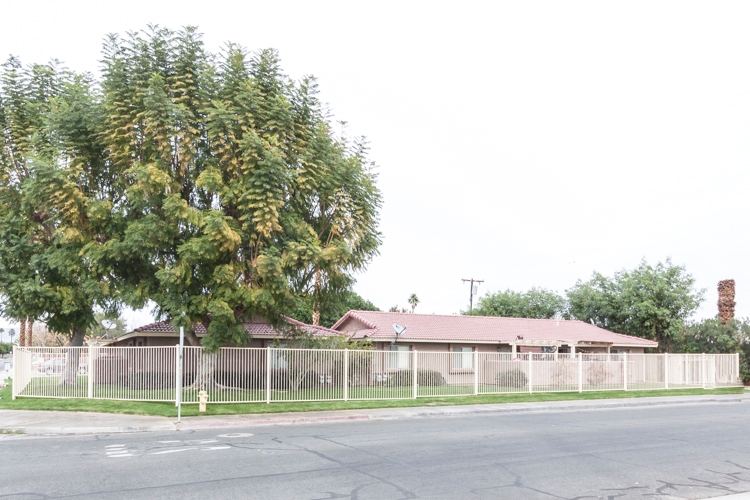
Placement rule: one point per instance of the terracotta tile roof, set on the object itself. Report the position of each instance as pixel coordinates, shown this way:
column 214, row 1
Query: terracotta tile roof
column 253, row 329
column 444, row 328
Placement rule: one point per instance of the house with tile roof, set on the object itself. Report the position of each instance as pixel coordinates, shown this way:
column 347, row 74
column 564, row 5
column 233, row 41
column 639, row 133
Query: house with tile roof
column 163, row 333
column 435, row 332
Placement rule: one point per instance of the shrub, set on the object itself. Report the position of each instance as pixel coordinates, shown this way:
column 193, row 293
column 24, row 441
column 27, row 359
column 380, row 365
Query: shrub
column 512, row 378
column 404, row 378
column 598, row 373
column 430, row 378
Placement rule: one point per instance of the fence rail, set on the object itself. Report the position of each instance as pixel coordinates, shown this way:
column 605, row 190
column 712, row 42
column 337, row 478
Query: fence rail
column 266, row 375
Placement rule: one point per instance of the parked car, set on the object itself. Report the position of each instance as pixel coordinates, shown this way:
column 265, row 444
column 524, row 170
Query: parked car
column 57, row 365
column 52, row 366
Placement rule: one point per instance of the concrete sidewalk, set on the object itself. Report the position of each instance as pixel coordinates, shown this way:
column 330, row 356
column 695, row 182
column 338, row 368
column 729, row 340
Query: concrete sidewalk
column 58, row 422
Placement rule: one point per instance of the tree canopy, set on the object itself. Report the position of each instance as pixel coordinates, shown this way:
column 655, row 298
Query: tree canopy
column 54, row 198
column 332, row 308
column 714, row 336
column 536, row 303
column 211, row 184
column 651, row 302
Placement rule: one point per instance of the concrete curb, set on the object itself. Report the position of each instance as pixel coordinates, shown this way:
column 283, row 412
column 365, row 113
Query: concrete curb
column 255, row 420
column 270, row 421
column 53, row 431
column 603, row 404
column 445, row 411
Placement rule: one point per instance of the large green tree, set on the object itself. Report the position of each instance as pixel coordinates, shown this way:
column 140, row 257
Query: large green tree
column 235, row 187
column 53, row 198
column 338, row 200
column 210, row 184
column 535, row 303
column 651, row 302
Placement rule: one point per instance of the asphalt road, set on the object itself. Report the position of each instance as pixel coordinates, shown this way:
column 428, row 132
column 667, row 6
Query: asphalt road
column 680, row 451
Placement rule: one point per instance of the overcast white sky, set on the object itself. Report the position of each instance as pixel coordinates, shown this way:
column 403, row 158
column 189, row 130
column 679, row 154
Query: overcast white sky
column 524, row 143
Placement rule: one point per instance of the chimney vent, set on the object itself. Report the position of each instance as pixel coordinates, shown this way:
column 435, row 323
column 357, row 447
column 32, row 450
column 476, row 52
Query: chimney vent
column 726, row 300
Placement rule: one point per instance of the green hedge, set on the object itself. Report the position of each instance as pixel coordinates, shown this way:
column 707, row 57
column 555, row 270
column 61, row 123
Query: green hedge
column 402, row 378
column 512, row 378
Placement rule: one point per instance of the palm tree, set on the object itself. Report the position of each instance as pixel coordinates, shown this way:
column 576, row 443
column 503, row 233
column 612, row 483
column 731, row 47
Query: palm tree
column 413, row 301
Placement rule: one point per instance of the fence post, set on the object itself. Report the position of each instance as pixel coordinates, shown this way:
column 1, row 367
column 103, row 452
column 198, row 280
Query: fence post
column 177, row 380
column 736, row 374
column 703, row 369
column 346, row 374
column 580, row 372
column 531, row 371
column 268, row 375
column 15, row 374
column 666, row 370
column 476, row 372
column 91, row 372
column 414, row 374
column 625, row 370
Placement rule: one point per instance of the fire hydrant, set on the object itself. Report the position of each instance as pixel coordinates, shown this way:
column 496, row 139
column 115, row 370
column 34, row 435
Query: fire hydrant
column 202, row 400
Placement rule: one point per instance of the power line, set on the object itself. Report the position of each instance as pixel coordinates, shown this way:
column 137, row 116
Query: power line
column 471, row 291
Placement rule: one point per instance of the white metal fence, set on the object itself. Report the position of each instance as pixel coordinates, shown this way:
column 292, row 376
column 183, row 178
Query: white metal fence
column 247, row 375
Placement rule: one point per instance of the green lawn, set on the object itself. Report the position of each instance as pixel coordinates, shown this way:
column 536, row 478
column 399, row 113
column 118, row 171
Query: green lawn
column 48, row 386
column 169, row 409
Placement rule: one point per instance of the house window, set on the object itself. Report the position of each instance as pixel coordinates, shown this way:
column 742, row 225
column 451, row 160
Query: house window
column 399, row 357
column 463, row 358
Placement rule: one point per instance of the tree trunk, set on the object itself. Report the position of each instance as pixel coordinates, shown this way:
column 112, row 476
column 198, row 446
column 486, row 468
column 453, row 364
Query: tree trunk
column 204, row 374
column 192, row 338
column 206, row 364
column 30, row 333
column 726, row 301
column 316, row 299
column 22, row 333
column 73, row 358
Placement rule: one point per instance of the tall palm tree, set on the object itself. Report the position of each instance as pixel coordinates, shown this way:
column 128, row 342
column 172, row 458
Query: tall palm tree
column 413, row 301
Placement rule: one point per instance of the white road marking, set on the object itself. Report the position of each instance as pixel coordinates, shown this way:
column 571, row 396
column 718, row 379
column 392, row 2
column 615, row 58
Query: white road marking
column 208, row 441
column 173, row 451
column 235, row 435
column 216, row 448
column 118, row 451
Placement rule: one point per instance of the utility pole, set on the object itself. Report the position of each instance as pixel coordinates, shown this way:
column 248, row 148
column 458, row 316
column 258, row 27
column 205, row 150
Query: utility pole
column 471, row 291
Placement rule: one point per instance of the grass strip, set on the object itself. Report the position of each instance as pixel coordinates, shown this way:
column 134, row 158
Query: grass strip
column 169, row 409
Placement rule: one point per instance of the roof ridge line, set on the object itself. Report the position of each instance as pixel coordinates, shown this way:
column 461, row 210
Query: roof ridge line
column 432, row 315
